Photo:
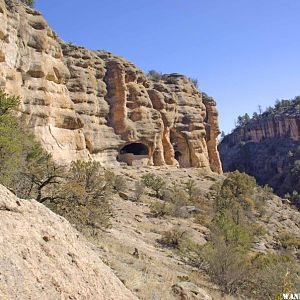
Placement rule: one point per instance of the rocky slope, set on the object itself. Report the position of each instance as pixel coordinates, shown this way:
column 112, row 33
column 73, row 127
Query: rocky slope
column 43, row 257
column 267, row 147
column 157, row 272
column 92, row 104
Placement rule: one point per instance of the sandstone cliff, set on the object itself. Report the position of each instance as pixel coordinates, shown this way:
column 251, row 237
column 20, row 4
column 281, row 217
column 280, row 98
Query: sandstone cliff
column 92, row 104
column 267, row 147
column 43, row 257
column 284, row 124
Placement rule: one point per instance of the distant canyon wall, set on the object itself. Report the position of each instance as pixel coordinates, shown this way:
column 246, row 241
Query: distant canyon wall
column 267, row 148
column 274, row 126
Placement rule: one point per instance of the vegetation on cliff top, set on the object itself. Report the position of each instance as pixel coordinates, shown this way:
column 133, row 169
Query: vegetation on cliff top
column 284, row 106
column 28, row 2
column 157, row 76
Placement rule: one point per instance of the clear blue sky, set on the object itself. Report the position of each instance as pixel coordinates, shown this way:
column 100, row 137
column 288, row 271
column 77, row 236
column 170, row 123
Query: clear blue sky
column 244, row 53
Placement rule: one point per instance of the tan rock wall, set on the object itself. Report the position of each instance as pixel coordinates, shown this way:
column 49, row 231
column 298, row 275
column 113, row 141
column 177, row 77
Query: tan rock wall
column 85, row 104
column 271, row 127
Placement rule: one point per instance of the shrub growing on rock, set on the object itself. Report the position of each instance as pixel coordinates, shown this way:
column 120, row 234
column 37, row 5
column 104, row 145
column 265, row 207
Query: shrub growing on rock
column 289, row 240
column 160, row 208
column 154, row 182
column 191, row 189
column 194, row 81
column 236, row 188
column 120, row 183
column 139, row 190
column 271, row 275
column 28, row 2
column 178, row 200
column 226, row 251
column 11, row 139
column 41, row 177
column 84, row 195
column 154, row 75
column 173, row 238
column 24, row 166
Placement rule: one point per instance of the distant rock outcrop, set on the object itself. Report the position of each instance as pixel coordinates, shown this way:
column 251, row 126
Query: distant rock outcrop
column 43, row 257
column 267, row 147
column 92, row 104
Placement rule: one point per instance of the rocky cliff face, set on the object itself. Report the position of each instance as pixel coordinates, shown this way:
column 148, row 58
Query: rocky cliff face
column 43, row 257
column 85, row 104
column 267, row 147
column 281, row 125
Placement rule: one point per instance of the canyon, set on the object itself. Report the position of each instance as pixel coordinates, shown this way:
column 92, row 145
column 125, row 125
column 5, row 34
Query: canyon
column 267, row 147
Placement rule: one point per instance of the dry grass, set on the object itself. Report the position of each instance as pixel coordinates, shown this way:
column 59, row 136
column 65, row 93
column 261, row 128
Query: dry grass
column 152, row 274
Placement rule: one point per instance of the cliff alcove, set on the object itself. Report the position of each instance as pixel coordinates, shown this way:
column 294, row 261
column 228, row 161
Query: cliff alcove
column 181, row 148
column 134, row 153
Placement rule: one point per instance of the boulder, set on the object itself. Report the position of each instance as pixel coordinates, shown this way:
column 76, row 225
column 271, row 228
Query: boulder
column 186, row 290
column 43, row 257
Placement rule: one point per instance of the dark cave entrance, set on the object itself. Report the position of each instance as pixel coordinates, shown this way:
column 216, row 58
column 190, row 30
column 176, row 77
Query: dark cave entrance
column 181, row 149
column 134, row 154
column 135, row 148
column 177, row 155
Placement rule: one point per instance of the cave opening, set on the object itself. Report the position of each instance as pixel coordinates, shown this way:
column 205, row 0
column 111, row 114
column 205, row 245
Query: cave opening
column 135, row 148
column 181, row 149
column 177, row 155
column 134, row 154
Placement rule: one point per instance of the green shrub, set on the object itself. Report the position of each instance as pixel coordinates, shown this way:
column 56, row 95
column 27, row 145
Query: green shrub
column 235, row 233
column 226, row 252
column 154, row 75
column 24, row 166
column 39, row 176
column 226, row 266
column 295, row 198
column 178, row 199
column 154, row 182
column 28, row 2
column 139, row 190
column 79, row 194
column 191, row 189
column 120, row 183
column 84, row 195
column 236, row 188
column 173, row 238
column 160, row 208
column 194, row 81
column 174, row 203
column 260, row 197
column 271, row 275
column 295, row 169
column 11, row 139
column 289, row 240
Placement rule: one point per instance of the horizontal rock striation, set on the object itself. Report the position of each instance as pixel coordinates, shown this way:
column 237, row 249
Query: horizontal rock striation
column 84, row 104
column 269, row 126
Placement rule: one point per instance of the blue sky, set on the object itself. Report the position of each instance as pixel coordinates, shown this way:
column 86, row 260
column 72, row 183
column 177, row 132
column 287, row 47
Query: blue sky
column 244, row 53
